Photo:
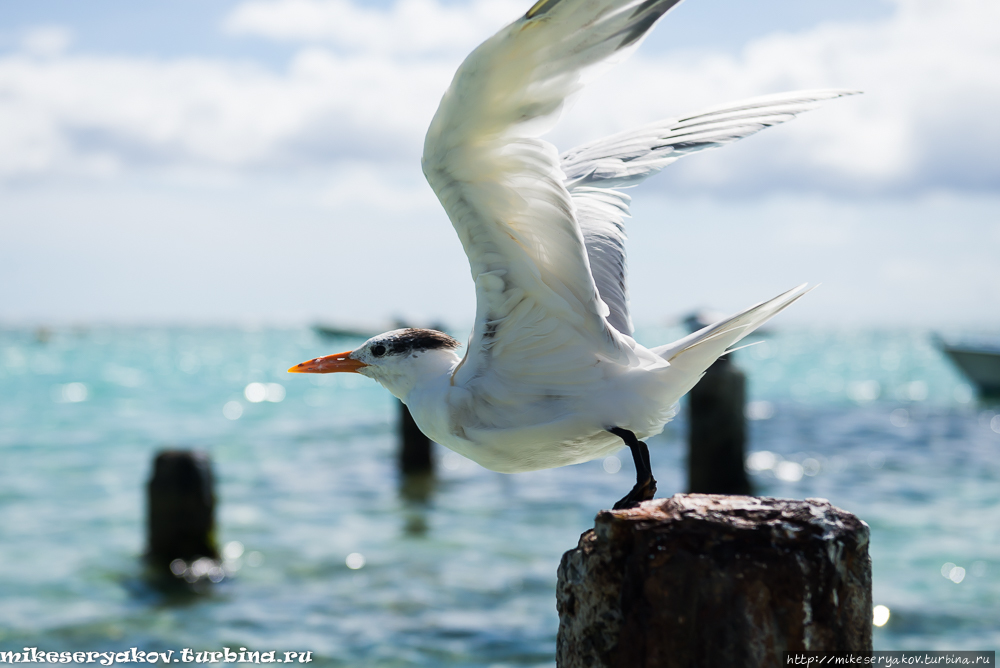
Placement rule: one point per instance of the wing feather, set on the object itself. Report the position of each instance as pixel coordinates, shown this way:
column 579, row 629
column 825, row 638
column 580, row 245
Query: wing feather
column 539, row 314
column 594, row 171
column 628, row 158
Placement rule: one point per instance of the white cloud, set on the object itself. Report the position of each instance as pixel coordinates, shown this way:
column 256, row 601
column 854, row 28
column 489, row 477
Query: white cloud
column 95, row 114
column 47, row 40
column 365, row 88
column 409, row 27
column 365, row 189
column 927, row 119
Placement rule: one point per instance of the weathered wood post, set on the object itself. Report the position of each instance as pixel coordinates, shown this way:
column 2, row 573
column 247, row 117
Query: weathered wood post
column 416, row 465
column 415, row 449
column 181, row 510
column 717, row 431
column 416, row 452
column 710, row 580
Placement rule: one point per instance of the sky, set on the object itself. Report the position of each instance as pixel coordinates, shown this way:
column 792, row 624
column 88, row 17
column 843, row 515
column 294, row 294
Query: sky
column 233, row 161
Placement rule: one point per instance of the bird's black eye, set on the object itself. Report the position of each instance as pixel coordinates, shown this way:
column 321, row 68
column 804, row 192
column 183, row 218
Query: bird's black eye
column 378, row 350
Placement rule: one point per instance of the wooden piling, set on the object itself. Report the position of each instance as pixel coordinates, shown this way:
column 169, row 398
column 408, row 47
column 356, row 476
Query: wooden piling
column 717, row 432
column 181, row 509
column 416, row 452
column 415, row 449
column 711, row 580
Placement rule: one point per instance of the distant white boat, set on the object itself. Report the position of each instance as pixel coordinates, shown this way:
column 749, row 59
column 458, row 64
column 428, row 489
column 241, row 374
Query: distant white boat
column 367, row 330
column 979, row 362
column 345, row 331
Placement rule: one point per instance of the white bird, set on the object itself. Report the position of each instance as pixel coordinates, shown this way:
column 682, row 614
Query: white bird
column 552, row 375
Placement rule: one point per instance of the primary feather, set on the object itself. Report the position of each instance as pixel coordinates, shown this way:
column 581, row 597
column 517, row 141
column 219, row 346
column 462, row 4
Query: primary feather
column 593, row 173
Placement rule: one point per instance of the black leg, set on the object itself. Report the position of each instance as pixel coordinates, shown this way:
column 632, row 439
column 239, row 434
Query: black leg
column 645, row 485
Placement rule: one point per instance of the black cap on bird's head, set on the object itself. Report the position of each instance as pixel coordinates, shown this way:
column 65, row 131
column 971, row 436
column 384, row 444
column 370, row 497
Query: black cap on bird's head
column 397, row 343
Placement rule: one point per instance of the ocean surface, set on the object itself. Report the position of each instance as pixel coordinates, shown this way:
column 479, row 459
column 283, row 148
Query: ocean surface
column 330, row 553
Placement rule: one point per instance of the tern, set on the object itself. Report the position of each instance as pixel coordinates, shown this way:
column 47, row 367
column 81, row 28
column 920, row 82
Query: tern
column 551, row 375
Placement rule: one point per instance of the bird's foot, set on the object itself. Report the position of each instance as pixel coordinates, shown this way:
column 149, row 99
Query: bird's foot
column 643, row 491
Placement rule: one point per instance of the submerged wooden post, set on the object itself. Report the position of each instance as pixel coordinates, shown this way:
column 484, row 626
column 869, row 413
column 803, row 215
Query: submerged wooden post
column 181, row 507
column 711, row 580
column 717, row 432
column 415, row 453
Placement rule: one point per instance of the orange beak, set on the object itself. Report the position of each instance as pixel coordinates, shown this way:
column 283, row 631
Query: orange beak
column 339, row 363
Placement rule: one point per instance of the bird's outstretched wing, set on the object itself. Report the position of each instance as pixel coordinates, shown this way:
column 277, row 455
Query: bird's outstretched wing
column 540, row 322
column 596, row 170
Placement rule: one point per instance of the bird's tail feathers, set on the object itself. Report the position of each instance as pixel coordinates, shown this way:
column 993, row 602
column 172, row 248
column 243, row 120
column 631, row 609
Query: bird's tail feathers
column 693, row 354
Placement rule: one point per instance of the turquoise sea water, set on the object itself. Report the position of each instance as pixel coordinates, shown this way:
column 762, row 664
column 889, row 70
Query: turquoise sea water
column 463, row 574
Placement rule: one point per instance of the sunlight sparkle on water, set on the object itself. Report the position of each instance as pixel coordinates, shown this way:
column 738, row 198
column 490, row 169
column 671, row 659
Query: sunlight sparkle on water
column 451, row 461
column 880, row 615
column 275, row 392
column 72, row 393
column 255, row 392
column 762, row 460
column 788, row 471
column 233, row 550
column 759, row 410
column 915, row 391
column 15, row 360
column 612, row 464
column 952, row 572
column 963, row 394
column 863, row 391
column 811, row 466
column 355, row 560
column 233, row 410
column 189, row 363
column 124, row 376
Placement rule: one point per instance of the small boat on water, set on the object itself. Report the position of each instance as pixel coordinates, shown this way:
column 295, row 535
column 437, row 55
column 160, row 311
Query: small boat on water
column 365, row 331
column 980, row 362
column 347, row 332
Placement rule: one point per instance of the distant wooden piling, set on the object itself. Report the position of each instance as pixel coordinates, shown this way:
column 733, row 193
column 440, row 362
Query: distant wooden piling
column 416, row 456
column 717, row 432
column 711, row 580
column 416, row 452
column 181, row 509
